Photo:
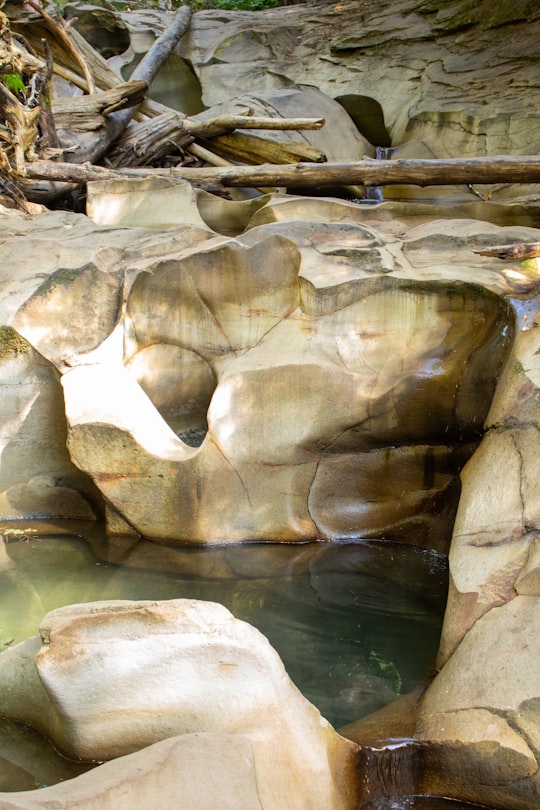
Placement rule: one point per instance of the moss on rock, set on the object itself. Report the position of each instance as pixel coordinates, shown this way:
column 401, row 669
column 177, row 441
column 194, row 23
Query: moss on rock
column 11, row 343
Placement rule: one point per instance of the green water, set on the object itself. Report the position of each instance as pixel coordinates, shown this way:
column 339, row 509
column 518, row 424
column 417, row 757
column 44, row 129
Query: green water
column 355, row 624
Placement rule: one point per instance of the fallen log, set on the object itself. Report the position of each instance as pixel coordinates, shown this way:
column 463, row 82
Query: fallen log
column 367, row 172
column 254, row 149
column 148, row 141
column 21, row 133
column 220, row 124
column 144, row 142
column 61, row 31
column 521, row 250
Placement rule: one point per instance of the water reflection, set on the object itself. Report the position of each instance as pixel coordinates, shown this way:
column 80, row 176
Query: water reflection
column 355, row 624
column 420, row 802
column 28, row 760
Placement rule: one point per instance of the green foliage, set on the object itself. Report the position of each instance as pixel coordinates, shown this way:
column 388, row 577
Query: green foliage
column 11, row 345
column 14, row 82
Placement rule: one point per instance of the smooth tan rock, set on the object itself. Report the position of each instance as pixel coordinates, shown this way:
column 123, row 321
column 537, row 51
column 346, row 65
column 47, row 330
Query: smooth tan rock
column 481, row 577
column 482, row 673
column 495, row 534
column 107, row 679
column 359, row 488
column 340, row 141
column 495, row 508
column 150, row 202
column 479, row 739
column 178, row 381
column 224, row 337
column 528, row 581
column 527, row 719
column 481, row 712
column 345, row 343
column 37, row 476
column 193, row 771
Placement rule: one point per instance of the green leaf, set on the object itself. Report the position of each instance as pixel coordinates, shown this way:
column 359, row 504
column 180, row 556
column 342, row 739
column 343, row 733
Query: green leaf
column 14, row 82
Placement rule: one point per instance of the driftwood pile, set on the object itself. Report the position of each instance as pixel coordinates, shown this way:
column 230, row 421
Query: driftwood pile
column 111, row 128
column 112, row 125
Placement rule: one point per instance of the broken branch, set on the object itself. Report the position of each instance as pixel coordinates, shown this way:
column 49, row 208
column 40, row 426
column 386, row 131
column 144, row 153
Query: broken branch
column 146, row 71
column 210, row 127
column 89, row 112
column 67, row 42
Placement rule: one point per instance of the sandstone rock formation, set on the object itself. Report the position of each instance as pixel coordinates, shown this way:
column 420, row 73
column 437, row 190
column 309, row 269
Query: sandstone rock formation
column 488, row 716
column 314, row 377
column 396, row 329
column 109, row 678
column 320, row 369
column 440, row 72
column 441, row 79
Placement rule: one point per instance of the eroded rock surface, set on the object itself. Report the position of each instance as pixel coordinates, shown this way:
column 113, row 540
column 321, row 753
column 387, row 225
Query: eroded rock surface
column 482, row 709
column 315, row 376
column 448, row 74
column 315, row 368
column 331, row 367
column 107, row 679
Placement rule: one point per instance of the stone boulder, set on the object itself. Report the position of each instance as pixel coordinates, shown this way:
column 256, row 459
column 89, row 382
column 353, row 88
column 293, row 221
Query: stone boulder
column 339, row 139
column 481, row 715
column 482, row 710
column 37, row 476
column 104, row 680
column 414, row 80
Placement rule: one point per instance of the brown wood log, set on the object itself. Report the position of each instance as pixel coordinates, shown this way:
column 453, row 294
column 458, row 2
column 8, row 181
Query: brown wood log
column 254, row 149
column 61, row 31
column 457, row 171
column 521, row 250
column 221, row 124
column 22, row 126
column 416, row 172
column 150, row 139
column 84, row 113
column 49, row 136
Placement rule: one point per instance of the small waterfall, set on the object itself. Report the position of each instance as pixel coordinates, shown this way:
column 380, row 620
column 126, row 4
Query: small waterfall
column 393, row 773
column 389, row 771
column 374, row 193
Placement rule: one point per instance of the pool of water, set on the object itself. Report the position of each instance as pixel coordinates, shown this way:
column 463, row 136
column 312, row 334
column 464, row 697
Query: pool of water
column 356, row 625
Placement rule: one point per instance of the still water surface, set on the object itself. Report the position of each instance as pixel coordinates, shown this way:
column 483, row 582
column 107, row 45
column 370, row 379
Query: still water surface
column 355, row 624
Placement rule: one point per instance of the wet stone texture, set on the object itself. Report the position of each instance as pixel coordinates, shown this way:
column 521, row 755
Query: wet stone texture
column 330, row 382
column 200, row 370
column 337, row 371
